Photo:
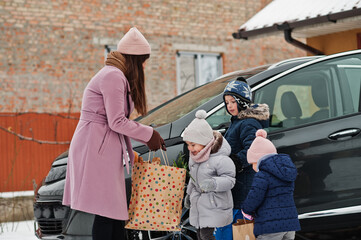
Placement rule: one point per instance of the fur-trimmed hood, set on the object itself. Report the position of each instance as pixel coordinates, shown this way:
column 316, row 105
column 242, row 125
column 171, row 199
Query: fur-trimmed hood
column 257, row 111
column 220, row 142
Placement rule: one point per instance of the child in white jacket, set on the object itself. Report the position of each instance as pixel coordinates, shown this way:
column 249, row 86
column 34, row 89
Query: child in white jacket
column 212, row 173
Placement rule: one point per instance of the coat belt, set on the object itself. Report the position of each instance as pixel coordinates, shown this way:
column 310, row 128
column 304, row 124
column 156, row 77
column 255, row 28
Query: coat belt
column 93, row 117
column 99, row 118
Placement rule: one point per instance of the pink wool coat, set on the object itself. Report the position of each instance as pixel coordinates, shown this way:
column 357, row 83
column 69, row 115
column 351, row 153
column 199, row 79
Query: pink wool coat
column 95, row 180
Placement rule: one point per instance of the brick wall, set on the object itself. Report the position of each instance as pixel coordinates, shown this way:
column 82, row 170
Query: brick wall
column 49, row 50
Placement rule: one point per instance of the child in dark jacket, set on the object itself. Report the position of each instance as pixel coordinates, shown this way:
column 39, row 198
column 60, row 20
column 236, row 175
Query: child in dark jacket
column 246, row 119
column 270, row 200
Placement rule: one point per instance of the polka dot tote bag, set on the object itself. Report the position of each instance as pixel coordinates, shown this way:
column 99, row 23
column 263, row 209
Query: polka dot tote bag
column 157, row 194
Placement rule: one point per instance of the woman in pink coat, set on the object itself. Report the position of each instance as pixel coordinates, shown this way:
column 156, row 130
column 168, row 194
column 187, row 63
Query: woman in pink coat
column 100, row 147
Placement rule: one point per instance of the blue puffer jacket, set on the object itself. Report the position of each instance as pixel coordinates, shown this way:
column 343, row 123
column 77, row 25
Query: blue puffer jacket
column 240, row 136
column 270, row 199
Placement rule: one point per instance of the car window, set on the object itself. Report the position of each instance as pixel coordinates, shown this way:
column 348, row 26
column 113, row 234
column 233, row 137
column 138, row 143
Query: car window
column 219, row 119
column 318, row 92
column 178, row 107
column 185, row 103
column 353, row 76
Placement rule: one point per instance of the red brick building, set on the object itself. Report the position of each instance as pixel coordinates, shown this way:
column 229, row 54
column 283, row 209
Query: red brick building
column 49, row 50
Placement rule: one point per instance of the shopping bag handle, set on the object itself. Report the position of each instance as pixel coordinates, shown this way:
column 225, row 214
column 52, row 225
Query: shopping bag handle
column 164, row 154
column 166, row 157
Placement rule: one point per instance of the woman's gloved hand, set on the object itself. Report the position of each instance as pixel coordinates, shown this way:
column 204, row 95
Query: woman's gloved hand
column 187, row 201
column 156, row 142
column 208, row 185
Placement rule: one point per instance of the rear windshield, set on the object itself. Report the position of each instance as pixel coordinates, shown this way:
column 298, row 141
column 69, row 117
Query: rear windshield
column 185, row 103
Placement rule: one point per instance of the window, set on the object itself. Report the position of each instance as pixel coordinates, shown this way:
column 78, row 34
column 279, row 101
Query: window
column 315, row 93
column 353, row 76
column 182, row 104
column 108, row 49
column 219, row 119
column 194, row 69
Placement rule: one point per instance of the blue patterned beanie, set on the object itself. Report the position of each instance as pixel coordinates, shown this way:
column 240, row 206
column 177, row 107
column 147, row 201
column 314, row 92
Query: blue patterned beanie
column 241, row 92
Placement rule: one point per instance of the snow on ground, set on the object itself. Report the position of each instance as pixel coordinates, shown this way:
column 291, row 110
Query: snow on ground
column 16, row 194
column 23, row 230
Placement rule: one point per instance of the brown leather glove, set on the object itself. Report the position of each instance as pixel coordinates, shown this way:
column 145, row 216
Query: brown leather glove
column 156, row 142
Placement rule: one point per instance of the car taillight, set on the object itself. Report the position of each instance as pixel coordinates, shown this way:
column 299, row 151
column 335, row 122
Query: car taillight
column 47, row 212
column 51, row 217
column 37, row 211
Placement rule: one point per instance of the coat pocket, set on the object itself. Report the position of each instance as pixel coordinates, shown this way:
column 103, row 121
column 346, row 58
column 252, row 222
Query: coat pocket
column 104, row 142
column 213, row 200
column 221, row 200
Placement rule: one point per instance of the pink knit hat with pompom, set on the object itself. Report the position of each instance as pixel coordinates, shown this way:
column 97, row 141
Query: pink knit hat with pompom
column 133, row 43
column 260, row 147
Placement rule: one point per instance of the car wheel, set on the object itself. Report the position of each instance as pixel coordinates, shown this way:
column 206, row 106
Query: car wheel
column 186, row 231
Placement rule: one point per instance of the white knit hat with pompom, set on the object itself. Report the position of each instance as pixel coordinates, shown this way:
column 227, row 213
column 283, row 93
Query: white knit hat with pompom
column 260, row 147
column 199, row 131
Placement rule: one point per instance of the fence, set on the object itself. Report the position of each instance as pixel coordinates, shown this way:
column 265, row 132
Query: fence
column 29, row 142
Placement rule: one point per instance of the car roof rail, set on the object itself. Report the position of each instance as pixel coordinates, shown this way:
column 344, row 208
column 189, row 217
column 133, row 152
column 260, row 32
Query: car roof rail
column 291, row 60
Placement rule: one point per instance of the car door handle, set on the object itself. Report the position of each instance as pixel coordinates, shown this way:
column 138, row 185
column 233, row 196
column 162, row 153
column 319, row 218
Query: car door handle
column 344, row 134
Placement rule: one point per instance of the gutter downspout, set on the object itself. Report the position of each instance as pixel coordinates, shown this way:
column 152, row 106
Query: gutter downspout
column 296, row 43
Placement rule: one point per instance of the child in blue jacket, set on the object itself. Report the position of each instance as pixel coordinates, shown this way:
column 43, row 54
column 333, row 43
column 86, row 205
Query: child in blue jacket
column 270, row 200
column 246, row 119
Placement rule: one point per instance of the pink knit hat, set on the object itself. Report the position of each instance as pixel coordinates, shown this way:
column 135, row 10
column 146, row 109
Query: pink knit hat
column 260, row 147
column 133, row 43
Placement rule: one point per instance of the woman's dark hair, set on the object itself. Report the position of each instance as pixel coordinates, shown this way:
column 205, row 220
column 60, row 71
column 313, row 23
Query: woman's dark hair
column 135, row 74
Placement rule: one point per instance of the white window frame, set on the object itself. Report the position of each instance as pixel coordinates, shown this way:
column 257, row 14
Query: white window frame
column 108, row 49
column 198, row 74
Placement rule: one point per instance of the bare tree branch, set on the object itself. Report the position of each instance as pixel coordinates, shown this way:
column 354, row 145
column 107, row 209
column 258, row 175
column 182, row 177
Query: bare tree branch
column 21, row 137
column 50, row 114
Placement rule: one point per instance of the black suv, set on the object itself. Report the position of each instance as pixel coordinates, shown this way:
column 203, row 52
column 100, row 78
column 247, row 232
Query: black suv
column 315, row 118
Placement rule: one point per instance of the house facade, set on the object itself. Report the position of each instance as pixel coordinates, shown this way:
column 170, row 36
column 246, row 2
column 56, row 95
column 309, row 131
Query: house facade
column 337, row 42
column 49, row 50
